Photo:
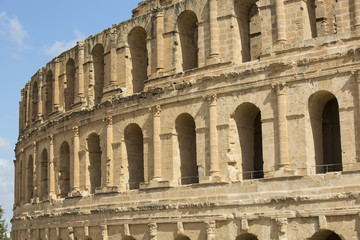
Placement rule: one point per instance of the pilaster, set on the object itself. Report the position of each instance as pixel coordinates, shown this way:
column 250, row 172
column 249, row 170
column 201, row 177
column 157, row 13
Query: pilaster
column 214, row 33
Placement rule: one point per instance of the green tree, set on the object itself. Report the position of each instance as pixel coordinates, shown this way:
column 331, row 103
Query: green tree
column 3, row 226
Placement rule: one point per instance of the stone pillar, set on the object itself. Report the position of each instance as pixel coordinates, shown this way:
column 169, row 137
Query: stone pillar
column 81, row 79
column 159, row 41
column 280, row 90
column 55, row 92
column 153, row 231
column 357, row 15
column 210, row 230
column 280, row 21
column 74, row 172
column 71, row 233
column 40, row 101
column 214, row 163
column 28, row 114
column 16, row 181
column 214, row 33
column 104, row 232
column 109, row 152
column 283, row 226
column 51, row 177
column 156, row 110
column 113, row 56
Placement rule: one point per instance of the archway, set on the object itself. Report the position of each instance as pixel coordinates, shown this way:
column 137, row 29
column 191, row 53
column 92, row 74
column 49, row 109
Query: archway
column 135, row 154
column 139, row 58
column 98, row 59
column 325, row 235
column 49, row 93
column 186, row 136
column 246, row 236
column 94, row 168
column 188, row 33
column 35, row 99
column 64, row 170
column 30, row 179
column 44, row 174
column 325, row 124
column 249, row 23
column 248, row 121
column 70, row 84
column 182, row 237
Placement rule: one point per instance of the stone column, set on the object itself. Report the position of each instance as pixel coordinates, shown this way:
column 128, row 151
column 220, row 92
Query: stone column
column 214, row 33
column 71, row 233
column 104, row 232
column 109, row 152
column 40, row 101
column 81, row 79
column 357, row 15
column 16, row 181
column 214, row 163
column 75, row 165
column 280, row 21
column 55, row 91
column 280, row 90
column 156, row 110
column 153, row 231
column 159, row 41
column 51, row 177
column 210, row 230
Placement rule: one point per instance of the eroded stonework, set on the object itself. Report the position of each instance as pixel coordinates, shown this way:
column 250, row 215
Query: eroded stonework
column 197, row 119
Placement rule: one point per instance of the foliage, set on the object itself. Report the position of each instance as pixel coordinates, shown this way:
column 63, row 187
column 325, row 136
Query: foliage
column 3, row 226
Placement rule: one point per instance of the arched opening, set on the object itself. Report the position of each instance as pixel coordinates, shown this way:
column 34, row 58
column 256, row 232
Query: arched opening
column 21, row 179
column 129, row 238
column 325, row 235
column 25, row 108
column 44, row 174
column 325, row 124
column 70, row 84
column 139, row 58
column 98, row 59
column 48, row 93
column 30, row 179
column 182, row 237
column 321, row 19
column 135, row 154
column 35, row 100
column 186, row 136
column 188, row 33
column 249, row 23
column 246, row 236
column 94, row 149
column 64, row 170
column 248, row 122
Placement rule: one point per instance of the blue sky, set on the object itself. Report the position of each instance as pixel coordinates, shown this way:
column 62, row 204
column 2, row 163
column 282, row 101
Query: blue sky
column 31, row 34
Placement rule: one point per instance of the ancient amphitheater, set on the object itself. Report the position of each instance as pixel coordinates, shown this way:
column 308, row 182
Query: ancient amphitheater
column 197, row 119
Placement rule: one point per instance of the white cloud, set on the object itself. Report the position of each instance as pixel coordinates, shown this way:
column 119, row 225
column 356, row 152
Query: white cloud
column 11, row 27
column 7, row 188
column 61, row 46
column 5, row 145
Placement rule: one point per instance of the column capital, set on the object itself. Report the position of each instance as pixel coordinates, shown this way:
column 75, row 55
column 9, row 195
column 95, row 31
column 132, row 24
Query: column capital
column 76, row 131
column 156, row 110
column 212, row 98
column 81, row 45
column 109, row 120
column 51, row 139
column 280, row 88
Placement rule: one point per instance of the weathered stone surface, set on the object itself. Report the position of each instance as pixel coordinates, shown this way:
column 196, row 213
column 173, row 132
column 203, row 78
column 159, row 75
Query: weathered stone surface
column 197, row 119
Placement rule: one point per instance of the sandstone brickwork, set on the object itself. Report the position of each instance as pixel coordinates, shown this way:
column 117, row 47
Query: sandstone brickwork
column 197, row 119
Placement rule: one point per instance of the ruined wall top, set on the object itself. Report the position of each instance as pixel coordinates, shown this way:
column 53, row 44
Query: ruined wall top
column 148, row 5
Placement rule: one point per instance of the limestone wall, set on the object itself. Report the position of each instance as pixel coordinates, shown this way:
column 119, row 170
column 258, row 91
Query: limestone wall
column 197, row 120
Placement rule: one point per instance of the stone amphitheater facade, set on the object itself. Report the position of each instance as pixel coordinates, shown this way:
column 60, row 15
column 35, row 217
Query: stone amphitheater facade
column 197, row 119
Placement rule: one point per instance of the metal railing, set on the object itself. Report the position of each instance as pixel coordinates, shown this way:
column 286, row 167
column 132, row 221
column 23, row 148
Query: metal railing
column 188, row 180
column 252, row 174
column 325, row 168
